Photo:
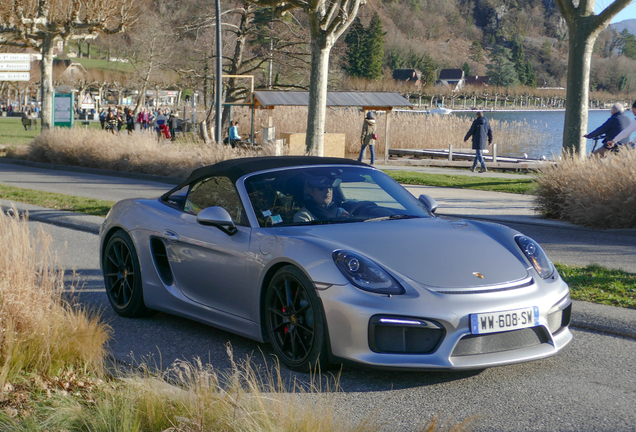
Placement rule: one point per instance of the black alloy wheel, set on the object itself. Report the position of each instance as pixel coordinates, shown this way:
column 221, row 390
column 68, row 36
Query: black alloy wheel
column 295, row 322
column 122, row 277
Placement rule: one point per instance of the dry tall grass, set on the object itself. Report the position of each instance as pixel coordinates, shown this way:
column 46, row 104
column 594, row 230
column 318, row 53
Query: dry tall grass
column 40, row 331
column 598, row 193
column 407, row 130
column 142, row 153
column 201, row 399
column 139, row 152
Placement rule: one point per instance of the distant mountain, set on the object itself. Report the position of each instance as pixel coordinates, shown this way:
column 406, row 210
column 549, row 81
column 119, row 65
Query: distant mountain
column 629, row 24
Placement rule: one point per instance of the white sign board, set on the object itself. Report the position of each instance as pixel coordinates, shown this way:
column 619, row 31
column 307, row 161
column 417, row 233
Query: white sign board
column 62, row 109
column 87, row 102
column 15, row 67
column 15, row 76
column 15, row 57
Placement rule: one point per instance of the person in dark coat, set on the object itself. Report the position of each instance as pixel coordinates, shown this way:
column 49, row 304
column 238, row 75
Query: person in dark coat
column 617, row 122
column 173, row 123
column 480, row 131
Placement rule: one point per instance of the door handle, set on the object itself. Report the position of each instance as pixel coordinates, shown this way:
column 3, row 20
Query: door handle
column 171, row 236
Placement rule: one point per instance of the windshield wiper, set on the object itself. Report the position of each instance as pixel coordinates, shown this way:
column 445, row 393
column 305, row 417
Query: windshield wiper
column 393, row 217
column 324, row 222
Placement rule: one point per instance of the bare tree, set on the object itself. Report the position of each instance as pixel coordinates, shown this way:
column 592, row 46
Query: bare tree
column 243, row 52
column 328, row 20
column 152, row 47
column 584, row 27
column 40, row 23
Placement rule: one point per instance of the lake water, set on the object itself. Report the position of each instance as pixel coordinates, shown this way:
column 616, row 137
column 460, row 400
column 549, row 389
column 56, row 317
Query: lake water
column 547, row 127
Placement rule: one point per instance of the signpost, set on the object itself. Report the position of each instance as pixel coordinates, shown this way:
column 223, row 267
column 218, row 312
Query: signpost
column 15, row 67
column 63, row 110
column 15, row 76
column 87, row 102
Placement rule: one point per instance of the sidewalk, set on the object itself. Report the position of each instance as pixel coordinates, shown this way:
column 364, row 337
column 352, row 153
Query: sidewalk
column 472, row 204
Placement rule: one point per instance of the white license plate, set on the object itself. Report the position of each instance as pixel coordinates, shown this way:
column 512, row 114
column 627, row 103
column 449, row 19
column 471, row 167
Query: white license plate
column 504, row 321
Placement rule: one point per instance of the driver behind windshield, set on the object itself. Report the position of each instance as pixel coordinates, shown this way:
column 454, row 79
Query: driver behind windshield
column 319, row 205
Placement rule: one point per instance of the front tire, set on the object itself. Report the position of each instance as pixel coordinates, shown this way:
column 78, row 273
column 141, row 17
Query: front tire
column 294, row 321
column 122, row 277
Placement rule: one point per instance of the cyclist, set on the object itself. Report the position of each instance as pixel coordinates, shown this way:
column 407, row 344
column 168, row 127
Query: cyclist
column 617, row 122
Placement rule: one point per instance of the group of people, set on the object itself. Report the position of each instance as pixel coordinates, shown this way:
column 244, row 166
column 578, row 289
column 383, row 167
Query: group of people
column 164, row 122
column 480, row 131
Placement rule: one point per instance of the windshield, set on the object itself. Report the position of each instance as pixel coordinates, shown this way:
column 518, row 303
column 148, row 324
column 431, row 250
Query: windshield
column 325, row 195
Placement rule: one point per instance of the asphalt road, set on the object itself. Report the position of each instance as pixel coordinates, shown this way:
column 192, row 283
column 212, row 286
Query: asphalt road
column 590, row 386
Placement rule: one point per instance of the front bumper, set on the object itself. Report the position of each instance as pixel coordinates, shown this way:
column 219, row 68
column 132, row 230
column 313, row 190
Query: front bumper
column 351, row 314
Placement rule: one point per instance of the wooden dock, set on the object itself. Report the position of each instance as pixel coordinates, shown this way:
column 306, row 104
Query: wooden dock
column 461, row 158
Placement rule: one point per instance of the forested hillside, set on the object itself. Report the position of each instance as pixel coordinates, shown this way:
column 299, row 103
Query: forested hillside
column 471, row 34
column 514, row 42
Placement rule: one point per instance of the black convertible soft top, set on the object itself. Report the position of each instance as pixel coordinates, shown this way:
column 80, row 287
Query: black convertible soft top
column 237, row 168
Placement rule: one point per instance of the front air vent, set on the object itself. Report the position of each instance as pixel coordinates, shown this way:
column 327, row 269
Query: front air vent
column 160, row 258
column 402, row 335
column 559, row 319
column 500, row 342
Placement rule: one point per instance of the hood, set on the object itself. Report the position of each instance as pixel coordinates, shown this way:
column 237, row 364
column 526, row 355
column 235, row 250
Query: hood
column 370, row 121
column 481, row 120
column 432, row 252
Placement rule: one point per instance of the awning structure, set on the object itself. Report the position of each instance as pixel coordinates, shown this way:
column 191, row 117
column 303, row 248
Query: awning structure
column 368, row 101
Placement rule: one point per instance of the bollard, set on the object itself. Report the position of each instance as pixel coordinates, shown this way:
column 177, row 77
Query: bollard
column 450, row 152
column 494, row 153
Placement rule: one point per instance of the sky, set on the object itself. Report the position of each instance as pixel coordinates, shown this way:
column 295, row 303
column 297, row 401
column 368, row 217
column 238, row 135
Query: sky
column 628, row 13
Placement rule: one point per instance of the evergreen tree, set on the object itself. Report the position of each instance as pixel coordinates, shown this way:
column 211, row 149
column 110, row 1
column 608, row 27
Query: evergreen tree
column 355, row 46
column 628, row 44
column 501, row 70
column 395, row 59
column 476, row 52
column 531, row 79
column 373, row 51
column 466, row 69
column 519, row 60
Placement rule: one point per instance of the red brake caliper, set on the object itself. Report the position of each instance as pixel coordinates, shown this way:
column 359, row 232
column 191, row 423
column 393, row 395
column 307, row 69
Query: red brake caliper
column 286, row 327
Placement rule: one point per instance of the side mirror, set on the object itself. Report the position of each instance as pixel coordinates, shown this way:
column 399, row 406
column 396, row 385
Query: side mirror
column 429, row 202
column 217, row 217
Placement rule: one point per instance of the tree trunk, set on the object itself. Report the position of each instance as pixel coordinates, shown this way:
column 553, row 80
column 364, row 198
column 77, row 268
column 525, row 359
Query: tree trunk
column 581, row 44
column 317, row 112
column 46, row 72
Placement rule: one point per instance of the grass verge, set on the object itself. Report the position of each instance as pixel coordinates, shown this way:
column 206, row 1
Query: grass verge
column 597, row 284
column 519, row 186
column 56, row 201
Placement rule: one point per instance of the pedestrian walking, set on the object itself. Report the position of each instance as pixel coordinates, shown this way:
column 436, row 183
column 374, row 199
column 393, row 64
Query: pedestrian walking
column 173, row 122
column 102, row 118
column 481, row 132
column 234, row 138
column 368, row 137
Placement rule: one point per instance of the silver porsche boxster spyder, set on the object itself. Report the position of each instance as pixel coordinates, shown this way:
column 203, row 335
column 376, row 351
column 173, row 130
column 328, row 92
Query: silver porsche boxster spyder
column 331, row 261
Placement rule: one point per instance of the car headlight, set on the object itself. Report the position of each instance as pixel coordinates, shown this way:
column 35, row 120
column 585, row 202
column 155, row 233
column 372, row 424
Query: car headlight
column 536, row 256
column 365, row 274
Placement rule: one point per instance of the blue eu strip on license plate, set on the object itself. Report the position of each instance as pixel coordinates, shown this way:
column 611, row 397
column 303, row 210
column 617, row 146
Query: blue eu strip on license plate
column 504, row 321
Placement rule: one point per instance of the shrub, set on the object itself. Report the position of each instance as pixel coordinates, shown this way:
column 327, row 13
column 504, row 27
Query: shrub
column 41, row 332
column 140, row 152
column 597, row 193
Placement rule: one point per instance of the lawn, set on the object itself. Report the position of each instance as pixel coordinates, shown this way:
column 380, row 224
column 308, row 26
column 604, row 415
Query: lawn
column 104, row 64
column 521, row 185
column 56, row 201
column 12, row 131
column 598, row 284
